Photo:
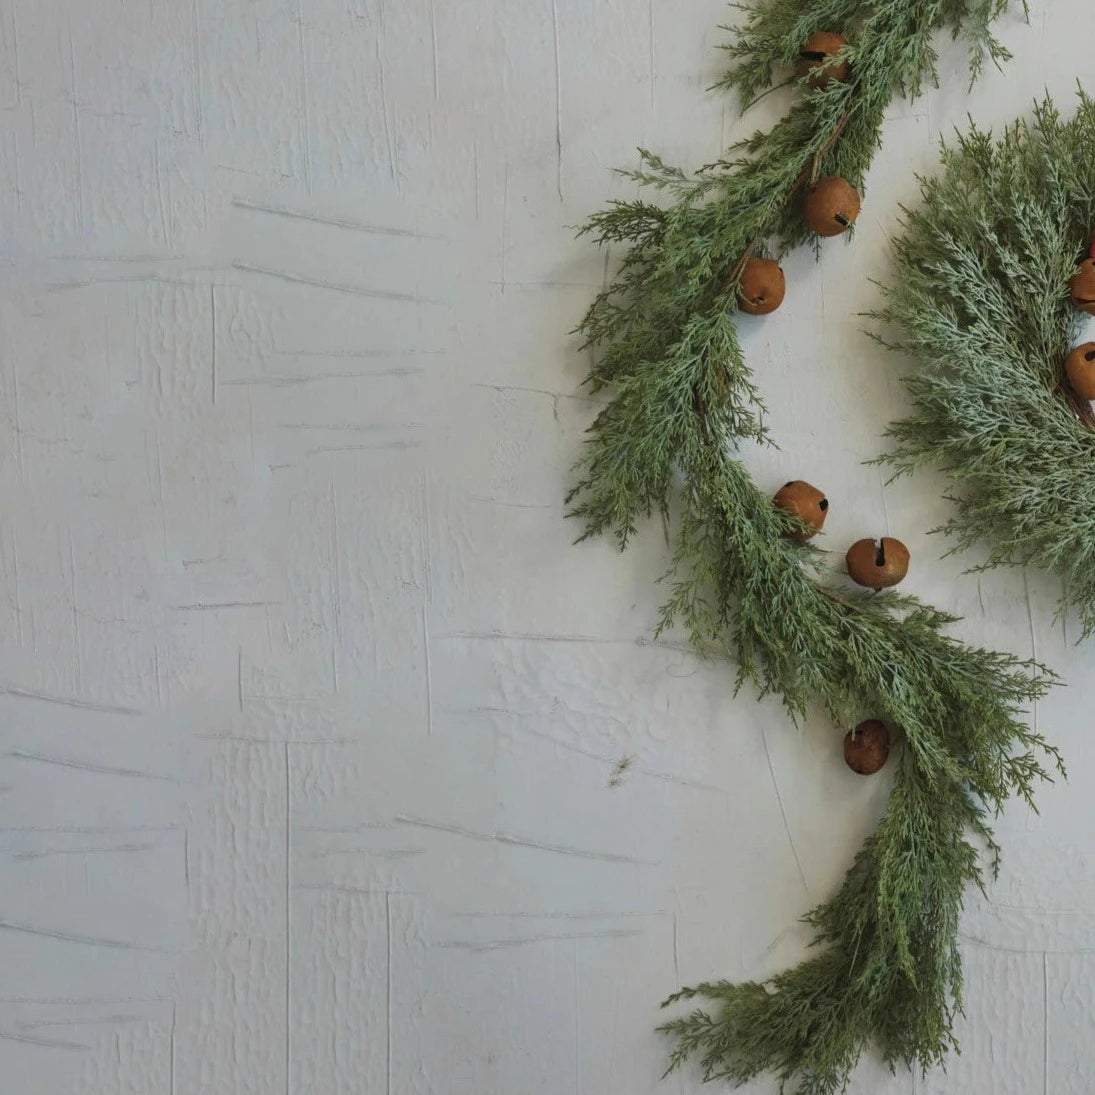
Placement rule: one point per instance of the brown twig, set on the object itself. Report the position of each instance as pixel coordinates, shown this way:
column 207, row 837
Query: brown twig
column 806, row 175
column 700, row 407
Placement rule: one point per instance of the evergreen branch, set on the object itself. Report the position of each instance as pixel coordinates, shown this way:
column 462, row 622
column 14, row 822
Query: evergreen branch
column 888, row 969
column 980, row 300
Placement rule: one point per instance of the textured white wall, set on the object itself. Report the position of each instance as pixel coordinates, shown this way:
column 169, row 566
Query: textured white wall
column 310, row 712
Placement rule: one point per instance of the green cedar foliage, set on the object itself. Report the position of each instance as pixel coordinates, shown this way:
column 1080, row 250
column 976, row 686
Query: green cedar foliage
column 887, row 971
column 980, row 299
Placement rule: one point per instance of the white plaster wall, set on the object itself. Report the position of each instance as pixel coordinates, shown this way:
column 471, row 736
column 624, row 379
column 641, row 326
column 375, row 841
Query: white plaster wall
column 310, row 712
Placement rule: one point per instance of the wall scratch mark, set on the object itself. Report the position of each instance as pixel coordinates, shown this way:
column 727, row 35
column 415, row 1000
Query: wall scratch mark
column 17, row 415
column 885, row 505
column 334, row 222
column 214, row 606
column 360, row 355
column 545, row 637
column 84, row 940
column 46, row 1043
column 676, row 953
column 339, row 830
column 433, row 43
column 197, row 61
column 18, row 184
column 15, row 576
column 332, row 887
column 349, row 427
column 521, row 842
column 92, row 1021
column 66, row 701
column 213, row 336
column 86, row 829
column 157, row 675
column 427, row 538
column 251, row 425
column 558, row 99
column 76, row 129
column 503, row 504
column 16, row 62
column 275, row 743
column 475, row 169
column 123, row 279
column 998, row 948
column 302, row 98
column 381, row 49
column 43, row 853
column 336, row 573
column 376, row 853
column 505, row 230
column 531, row 941
column 160, row 507
column 554, row 396
column 601, row 758
column 429, row 671
column 83, row 766
column 334, row 286
column 783, row 813
column 165, row 226
column 379, row 447
column 653, row 69
column 77, row 641
column 316, row 378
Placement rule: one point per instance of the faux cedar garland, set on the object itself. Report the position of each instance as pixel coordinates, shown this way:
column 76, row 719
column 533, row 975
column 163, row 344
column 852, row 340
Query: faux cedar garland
column 887, row 970
column 980, row 297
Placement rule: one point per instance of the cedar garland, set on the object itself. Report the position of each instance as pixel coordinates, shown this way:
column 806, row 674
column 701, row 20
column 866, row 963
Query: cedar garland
column 887, row 971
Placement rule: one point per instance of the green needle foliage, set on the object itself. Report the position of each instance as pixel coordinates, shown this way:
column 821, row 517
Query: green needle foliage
column 667, row 316
column 887, row 971
column 980, row 299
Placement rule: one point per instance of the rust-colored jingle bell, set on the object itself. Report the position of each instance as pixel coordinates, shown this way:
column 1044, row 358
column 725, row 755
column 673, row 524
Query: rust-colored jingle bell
column 867, row 747
column 877, row 565
column 1082, row 287
column 762, row 287
column 1080, row 368
column 831, row 206
column 807, row 503
column 817, row 60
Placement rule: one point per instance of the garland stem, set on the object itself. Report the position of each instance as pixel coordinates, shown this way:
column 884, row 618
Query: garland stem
column 808, row 175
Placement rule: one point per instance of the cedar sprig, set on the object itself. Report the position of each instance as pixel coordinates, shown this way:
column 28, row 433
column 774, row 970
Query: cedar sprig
column 979, row 298
column 887, row 971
